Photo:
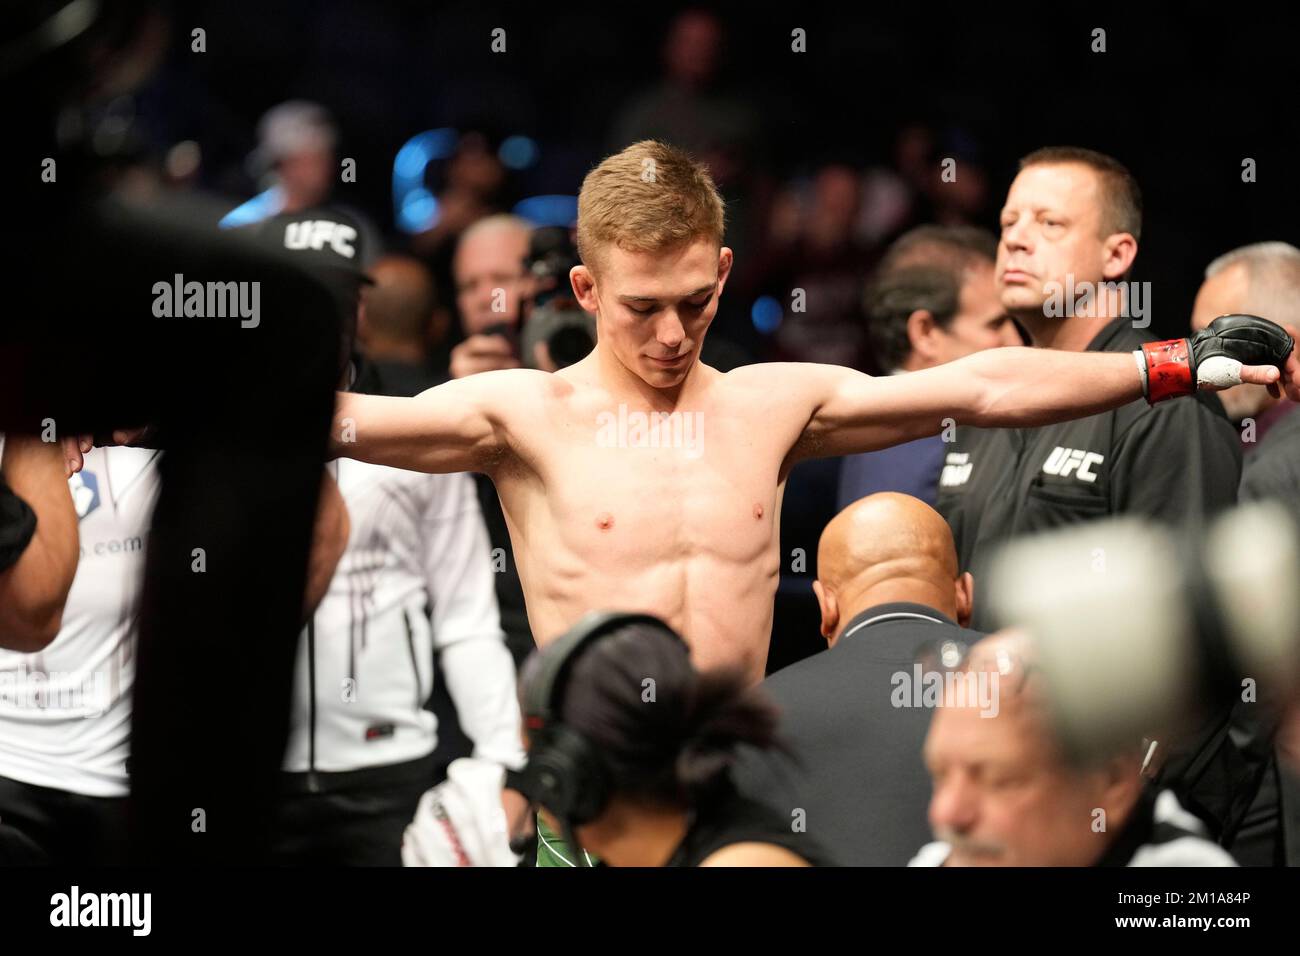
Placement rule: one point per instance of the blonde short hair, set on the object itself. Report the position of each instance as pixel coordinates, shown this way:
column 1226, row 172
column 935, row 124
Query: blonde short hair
column 649, row 197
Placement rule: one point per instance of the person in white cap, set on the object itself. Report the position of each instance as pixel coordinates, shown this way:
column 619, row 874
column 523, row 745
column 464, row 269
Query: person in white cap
column 297, row 140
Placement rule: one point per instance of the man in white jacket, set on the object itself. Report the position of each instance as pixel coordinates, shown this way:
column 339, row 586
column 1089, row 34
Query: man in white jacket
column 416, row 578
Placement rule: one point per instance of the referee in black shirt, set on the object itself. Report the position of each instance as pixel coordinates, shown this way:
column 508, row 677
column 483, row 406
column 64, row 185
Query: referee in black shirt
column 1070, row 229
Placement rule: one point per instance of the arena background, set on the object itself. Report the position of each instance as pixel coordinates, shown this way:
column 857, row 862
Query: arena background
column 1177, row 95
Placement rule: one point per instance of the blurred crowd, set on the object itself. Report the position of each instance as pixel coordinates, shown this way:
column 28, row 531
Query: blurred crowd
column 907, row 262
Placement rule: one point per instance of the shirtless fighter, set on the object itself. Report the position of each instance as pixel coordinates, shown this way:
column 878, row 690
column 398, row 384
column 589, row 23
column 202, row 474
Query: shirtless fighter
column 680, row 518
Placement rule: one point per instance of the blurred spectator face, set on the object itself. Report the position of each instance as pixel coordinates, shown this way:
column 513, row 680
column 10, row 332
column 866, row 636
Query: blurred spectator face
column 1004, row 797
column 837, row 192
column 653, row 308
column 692, row 47
column 1051, row 229
column 400, row 311
column 963, row 199
column 299, row 137
column 980, row 323
column 489, row 273
column 1225, row 293
column 306, row 178
column 475, row 168
column 913, row 154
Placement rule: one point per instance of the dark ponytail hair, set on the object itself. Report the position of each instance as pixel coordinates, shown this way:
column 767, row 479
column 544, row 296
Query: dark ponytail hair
column 667, row 732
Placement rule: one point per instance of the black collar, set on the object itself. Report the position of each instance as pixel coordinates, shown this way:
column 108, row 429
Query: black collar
column 895, row 611
column 1108, row 332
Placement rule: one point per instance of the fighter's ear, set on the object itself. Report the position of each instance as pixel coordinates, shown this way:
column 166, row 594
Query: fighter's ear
column 725, row 260
column 584, row 287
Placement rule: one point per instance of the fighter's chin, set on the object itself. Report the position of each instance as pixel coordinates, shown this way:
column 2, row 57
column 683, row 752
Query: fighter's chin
column 663, row 375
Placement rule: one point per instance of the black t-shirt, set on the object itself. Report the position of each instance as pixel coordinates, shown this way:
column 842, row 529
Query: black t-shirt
column 17, row 525
column 1273, row 471
column 1177, row 462
column 729, row 818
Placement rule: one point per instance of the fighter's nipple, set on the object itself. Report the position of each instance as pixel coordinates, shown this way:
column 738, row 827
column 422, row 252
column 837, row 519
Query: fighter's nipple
column 604, row 521
column 758, row 511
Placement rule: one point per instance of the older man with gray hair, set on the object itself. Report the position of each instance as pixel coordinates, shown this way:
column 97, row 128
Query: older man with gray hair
column 1263, row 278
column 1006, row 794
column 1260, row 279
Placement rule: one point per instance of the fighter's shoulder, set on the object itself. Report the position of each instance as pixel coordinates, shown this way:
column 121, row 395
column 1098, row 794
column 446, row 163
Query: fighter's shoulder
column 785, row 376
column 510, row 379
column 514, row 389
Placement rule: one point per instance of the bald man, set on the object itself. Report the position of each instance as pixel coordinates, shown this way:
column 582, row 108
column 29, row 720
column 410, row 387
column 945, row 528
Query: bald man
column 1264, row 279
column 893, row 607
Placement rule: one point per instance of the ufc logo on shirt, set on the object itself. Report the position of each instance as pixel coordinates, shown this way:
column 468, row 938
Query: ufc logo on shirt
column 1076, row 461
column 316, row 233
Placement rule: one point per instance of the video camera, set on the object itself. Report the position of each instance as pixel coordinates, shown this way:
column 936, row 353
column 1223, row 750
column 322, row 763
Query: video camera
column 550, row 316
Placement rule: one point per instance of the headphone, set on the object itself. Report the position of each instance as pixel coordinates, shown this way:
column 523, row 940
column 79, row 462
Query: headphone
column 565, row 773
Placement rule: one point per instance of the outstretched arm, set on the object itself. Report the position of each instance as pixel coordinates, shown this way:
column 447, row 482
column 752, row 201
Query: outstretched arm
column 461, row 425
column 999, row 388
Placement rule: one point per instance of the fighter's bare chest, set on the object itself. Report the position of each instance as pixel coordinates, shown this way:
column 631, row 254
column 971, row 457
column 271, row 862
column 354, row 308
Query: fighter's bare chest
column 663, row 489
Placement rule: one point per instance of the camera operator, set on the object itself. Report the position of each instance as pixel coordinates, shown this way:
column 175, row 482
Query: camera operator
column 488, row 272
column 518, row 318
